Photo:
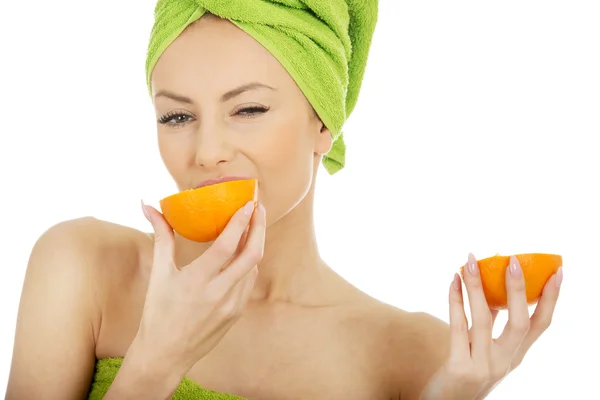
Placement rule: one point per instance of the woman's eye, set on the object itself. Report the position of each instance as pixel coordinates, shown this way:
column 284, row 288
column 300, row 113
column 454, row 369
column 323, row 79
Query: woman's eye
column 177, row 119
column 180, row 119
column 248, row 112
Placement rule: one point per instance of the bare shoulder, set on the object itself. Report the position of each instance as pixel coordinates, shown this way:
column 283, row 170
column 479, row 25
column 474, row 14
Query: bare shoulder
column 92, row 248
column 103, row 244
column 408, row 347
column 90, row 232
column 64, row 284
column 77, row 247
column 106, row 257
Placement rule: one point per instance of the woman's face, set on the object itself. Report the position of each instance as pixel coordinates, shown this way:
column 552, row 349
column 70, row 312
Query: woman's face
column 227, row 108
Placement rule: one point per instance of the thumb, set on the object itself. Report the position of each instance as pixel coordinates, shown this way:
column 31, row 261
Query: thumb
column 163, row 237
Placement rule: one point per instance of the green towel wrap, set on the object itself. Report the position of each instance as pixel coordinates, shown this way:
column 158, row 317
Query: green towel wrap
column 107, row 368
column 323, row 44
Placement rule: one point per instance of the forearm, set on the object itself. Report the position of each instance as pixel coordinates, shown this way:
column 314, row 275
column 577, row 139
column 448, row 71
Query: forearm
column 144, row 377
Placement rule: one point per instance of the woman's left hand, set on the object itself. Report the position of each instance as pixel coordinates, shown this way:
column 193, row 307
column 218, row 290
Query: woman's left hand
column 477, row 362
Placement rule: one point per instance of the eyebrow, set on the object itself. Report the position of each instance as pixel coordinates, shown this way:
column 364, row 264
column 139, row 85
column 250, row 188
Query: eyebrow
column 225, row 97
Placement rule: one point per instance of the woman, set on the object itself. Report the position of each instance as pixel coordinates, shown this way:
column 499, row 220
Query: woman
column 257, row 313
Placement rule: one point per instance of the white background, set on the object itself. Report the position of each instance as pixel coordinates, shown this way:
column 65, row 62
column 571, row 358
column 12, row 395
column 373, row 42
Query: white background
column 477, row 130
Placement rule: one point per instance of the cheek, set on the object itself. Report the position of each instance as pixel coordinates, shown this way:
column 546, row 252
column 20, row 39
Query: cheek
column 284, row 158
column 176, row 154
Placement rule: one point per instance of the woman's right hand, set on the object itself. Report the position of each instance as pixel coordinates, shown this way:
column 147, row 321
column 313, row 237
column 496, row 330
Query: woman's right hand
column 188, row 310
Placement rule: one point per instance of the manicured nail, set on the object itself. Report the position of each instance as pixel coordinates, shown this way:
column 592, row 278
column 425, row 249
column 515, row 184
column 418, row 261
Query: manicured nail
column 249, row 208
column 472, row 265
column 559, row 277
column 456, row 282
column 145, row 211
column 262, row 209
column 515, row 267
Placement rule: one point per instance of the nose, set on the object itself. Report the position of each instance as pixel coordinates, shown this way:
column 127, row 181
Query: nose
column 212, row 149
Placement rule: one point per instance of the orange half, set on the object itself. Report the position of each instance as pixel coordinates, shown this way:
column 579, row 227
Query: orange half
column 202, row 214
column 537, row 269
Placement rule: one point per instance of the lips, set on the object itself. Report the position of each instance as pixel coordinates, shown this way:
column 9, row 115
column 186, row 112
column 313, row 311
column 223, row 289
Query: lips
column 209, row 182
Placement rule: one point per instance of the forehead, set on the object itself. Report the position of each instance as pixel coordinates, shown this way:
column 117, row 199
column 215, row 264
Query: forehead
column 215, row 53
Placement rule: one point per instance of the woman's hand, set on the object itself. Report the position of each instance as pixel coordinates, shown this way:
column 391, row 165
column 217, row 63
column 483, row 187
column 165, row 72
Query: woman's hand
column 477, row 362
column 187, row 311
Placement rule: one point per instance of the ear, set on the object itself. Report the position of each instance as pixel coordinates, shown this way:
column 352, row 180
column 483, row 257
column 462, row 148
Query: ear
column 323, row 141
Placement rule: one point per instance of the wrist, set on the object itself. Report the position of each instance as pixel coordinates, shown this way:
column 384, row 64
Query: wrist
column 145, row 375
column 153, row 364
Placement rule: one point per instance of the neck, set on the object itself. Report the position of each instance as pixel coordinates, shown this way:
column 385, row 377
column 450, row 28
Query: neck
column 291, row 262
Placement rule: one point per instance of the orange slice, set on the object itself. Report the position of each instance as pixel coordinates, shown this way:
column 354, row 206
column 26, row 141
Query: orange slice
column 202, row 214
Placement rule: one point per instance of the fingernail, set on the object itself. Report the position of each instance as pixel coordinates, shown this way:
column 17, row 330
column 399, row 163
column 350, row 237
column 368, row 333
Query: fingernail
column 262, row 208
column 515, row 267
column 472, row 265
column 456, row 282
column 559, row 277
column 249, row 208
column 145, row 211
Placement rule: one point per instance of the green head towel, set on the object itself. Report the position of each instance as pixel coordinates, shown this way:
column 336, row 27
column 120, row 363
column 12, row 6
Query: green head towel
column 323, row 44
column 106, row 371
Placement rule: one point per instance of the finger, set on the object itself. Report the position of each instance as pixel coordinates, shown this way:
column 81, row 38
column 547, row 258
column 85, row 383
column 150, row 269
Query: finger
column 225, row 246
column 494, row 315
column 459, row 335
column 238, row 250
column 480, row 313
column 518, row 311
column 237, row 291
column 250, row 255
column 236, row 298
column 247, row 285
column 542, row 316
column 163, row 238
column 243, row 240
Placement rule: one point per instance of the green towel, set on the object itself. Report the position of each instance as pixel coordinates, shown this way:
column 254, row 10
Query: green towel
column 323, row 44
column 107, row 368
